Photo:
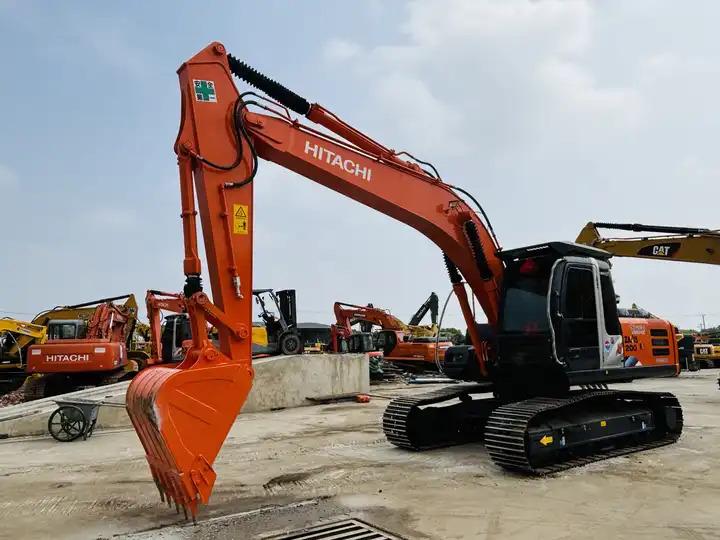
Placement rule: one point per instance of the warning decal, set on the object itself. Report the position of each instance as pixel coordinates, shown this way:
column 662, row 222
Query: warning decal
column 240, row 219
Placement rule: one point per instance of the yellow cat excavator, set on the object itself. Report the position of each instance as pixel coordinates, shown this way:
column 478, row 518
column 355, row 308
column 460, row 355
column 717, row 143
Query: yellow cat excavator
column 684, row 244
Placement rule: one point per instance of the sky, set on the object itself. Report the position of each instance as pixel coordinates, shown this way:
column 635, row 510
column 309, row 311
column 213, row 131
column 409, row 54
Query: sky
column 551, row 112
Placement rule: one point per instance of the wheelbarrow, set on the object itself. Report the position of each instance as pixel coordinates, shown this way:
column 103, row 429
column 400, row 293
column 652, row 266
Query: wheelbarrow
column 75, row 418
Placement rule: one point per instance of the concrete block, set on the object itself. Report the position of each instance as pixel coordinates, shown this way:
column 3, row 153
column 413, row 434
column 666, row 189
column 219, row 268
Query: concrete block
column 286, row 381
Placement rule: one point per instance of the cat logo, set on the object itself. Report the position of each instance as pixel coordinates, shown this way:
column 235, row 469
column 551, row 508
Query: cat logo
column 661, row 251
column 664, row 250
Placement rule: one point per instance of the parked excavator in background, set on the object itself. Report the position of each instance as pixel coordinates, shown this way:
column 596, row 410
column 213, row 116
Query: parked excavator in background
column 413, row 347
column 551, row 312
column 431, row 306
column 88, row 344
column 15, row 338
column 682, row 244
column 707, row 349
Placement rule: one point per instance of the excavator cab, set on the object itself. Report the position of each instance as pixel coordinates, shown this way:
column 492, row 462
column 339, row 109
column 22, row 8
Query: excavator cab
column 67, row 329
column 176, row 330
column 386, row 341
column 559, row 322
column 558, row 325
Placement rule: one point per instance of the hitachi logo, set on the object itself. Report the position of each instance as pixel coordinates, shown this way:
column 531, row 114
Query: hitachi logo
column 67, row 358
column 336, row 160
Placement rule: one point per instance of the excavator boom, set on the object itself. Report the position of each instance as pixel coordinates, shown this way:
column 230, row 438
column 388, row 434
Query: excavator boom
column 683, row 244
column 431, row 305
column 347, row 315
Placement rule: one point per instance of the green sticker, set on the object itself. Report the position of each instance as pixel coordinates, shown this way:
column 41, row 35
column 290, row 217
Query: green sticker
column 205, row 91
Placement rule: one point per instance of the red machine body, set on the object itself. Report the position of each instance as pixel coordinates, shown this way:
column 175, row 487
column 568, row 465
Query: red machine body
column 102, row 349
column 76, row 355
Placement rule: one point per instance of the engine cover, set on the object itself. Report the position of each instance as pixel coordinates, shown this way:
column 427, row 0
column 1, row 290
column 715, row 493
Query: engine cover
column 75, row 355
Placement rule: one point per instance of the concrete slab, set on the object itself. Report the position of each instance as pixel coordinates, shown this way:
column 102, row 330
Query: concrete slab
column 293, row 468
column 280, row 382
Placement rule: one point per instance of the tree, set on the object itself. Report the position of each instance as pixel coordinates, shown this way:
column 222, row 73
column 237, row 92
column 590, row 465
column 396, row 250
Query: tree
column 453, row 334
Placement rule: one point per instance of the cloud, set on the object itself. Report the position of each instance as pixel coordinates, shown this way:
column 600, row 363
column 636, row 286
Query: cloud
column 8, row 178
column 340, row 50
column 562, row 25
column 552, row 112
column 401, row 97
column 489, row 75
column 575, row 90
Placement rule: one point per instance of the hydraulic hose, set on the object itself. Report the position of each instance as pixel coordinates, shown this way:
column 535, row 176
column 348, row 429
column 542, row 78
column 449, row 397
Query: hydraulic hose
column 439, row 329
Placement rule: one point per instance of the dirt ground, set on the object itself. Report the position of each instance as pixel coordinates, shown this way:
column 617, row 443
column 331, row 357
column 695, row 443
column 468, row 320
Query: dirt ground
column 292, row 468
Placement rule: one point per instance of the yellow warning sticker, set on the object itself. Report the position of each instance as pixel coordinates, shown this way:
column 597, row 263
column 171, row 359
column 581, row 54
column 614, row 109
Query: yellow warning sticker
column 603, row 423
column 240, row 219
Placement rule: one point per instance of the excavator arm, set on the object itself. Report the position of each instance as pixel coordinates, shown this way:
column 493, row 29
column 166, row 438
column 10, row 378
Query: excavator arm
column 348, row 314
column 155, row 303
column 430, row 305
column 183, row 414
column 18, row 336
column 684, row 244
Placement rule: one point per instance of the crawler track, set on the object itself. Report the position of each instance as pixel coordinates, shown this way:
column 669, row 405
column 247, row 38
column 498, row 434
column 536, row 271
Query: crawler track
column 407, row 423
column 537, row 436
column 512, row 431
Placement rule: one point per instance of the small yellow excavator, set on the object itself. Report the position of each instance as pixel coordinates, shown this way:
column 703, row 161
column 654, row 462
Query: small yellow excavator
column 15, row 338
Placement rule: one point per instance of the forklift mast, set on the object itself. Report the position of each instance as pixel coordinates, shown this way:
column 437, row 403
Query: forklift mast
column 288, row 306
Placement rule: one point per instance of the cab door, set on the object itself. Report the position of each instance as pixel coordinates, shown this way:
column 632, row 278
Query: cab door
column 574, row 314
column 608, row 321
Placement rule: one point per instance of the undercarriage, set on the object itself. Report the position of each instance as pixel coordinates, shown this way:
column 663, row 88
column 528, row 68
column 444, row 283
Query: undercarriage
column 540, row 435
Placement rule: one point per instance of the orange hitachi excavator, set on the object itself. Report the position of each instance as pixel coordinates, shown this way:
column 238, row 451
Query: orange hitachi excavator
column 552, row 319
column 395, row 338
column 88, row 344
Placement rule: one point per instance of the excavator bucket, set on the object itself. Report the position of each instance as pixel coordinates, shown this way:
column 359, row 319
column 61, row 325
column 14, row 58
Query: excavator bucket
column 182, row 416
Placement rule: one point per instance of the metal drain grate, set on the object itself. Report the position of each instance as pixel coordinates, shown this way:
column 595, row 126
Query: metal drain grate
column 350, row 529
